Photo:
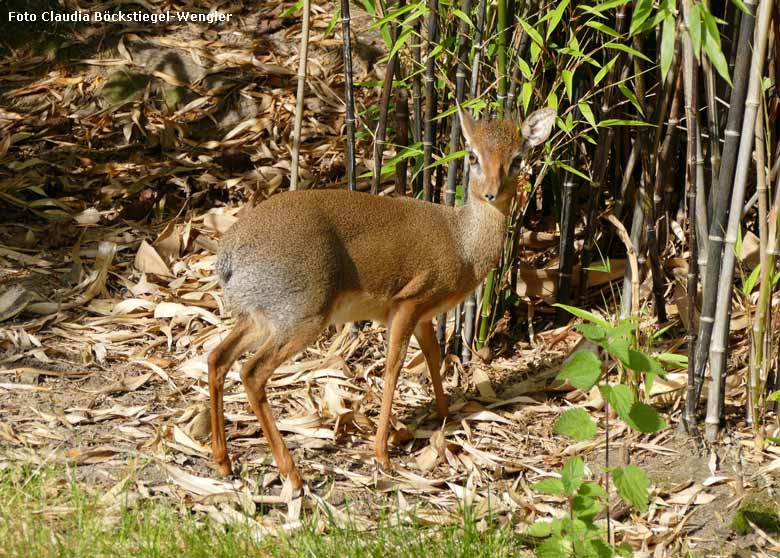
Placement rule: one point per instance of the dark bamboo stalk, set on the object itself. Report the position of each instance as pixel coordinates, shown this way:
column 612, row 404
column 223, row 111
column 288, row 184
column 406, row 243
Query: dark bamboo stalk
column 417, row 98
column 603, row 149
column 430, row 100
column 690, row 84
column 721, row 192
column 470, row 304
column 401, row 138
column 349, row 97
column 384, row 106
column 302, row 67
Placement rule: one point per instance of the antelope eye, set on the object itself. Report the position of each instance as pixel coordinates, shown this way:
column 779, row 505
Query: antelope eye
column 473, row 159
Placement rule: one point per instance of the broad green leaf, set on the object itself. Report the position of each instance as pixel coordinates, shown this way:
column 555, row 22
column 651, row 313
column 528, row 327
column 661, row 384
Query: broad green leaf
column 539, row 529
column 621, row 399
column 556, row 16
column 463, row 16
column 575, row 423
column 552, row 100
column 597, row 548
column 592, row 489
column 533, row 33
column 583, row 370
column 774, row 396
column 587, row 113
column 619, row 349
column 667, row 44
column 572, row 475
column 641, row 362
column 642, row 11
column 633, row 486
column 625, row 327
column 593, row 332
column 645, row 419
column 555, row 547
column 585, row 315
column 548, row 486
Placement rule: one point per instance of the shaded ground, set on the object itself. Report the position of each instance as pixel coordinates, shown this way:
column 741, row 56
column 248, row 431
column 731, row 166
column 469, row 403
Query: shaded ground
column 121, row 166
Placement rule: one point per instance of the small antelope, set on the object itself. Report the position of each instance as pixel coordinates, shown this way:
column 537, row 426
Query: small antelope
column 302, row 261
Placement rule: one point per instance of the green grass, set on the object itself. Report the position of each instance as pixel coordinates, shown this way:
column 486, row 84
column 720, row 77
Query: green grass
column 43, row 514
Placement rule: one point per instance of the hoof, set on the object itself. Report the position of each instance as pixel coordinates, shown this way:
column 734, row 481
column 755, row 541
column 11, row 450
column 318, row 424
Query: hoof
column 296, row 480
column 225, row 468
column 384, row 462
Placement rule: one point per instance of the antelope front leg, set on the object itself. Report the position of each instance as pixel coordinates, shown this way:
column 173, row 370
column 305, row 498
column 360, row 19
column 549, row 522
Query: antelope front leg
column 401, row 326
column 426, row 337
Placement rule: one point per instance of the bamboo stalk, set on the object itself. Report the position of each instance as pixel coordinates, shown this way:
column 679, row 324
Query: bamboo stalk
column 721, row 190
column 384, row 106
column 302, row 67
column 401, row 138
column 417, row 99
column 692, row 187
column 721, row 327
column 501, row 56
column 430, row 100
column 470, row 304
column 758, row 354
column 349, row 96
column 603, row 149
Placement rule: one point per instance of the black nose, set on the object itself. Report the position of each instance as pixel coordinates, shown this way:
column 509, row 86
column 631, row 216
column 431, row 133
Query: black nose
column 489, row 197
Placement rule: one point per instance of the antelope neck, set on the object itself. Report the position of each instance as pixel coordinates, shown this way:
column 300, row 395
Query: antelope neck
column 481, row 228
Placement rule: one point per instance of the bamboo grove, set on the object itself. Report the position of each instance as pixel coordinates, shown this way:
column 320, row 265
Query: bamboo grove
column 665, row 148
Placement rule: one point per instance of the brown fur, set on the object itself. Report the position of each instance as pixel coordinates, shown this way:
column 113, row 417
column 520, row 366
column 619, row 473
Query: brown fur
column 303, row 260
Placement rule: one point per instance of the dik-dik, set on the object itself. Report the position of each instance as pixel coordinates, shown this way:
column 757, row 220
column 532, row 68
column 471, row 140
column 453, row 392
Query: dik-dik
column 302, row 261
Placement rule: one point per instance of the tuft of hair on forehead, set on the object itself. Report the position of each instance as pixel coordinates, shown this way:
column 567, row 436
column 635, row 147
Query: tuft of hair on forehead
column 498, row 133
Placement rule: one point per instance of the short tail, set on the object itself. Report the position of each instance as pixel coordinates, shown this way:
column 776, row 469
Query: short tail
column 224, row 267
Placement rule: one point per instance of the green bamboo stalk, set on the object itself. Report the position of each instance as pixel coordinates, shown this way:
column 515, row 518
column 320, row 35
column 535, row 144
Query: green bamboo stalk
column 417, row 98
column 302, row 67
column 721, row 327
column 501, row 56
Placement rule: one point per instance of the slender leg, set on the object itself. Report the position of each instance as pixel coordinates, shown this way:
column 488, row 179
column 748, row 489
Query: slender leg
column 238, row 341
column 255, row 375
column 401, row 326
column 426, row 337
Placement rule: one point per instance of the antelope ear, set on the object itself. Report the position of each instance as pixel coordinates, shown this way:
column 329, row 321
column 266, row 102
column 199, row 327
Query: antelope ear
column 467, row 124
column 537, row 127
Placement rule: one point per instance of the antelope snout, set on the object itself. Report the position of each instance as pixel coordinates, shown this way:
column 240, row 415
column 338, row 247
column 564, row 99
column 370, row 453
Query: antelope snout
column 489, row 197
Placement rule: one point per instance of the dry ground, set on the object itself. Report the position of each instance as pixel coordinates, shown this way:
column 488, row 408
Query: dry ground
column 111, row 214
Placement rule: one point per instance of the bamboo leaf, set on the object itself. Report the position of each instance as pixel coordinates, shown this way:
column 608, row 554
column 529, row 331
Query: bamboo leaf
column 564, row 166
column 525, row 69
column 556, row 16
column 603, row 6
column 568, row 77
column 526, row 94
column 585, row 315
column 587, row 113
column 667, row 44
column 628, row 94
column 533, row 33
column 602, row 73
column 402, row 38
column 716, row 57
column 642, row 11
column 621, row 122
column 459, row 13
column 694, row 29
column 392, row 16
column 627, row 49
column 606, row 29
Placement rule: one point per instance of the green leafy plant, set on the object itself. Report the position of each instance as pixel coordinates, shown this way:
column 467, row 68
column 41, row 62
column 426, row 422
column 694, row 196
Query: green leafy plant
column 577, row 534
